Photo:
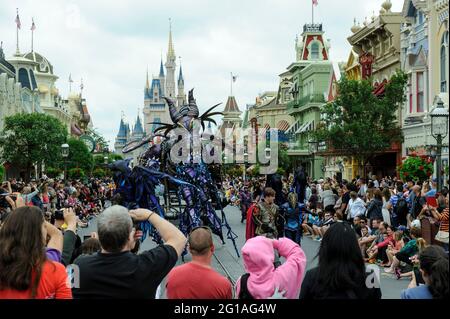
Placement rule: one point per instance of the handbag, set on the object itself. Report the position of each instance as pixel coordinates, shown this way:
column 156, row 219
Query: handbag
column 441, row 236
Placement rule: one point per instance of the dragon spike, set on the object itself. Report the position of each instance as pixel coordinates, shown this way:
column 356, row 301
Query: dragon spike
column 174, row 114
column 193, row 109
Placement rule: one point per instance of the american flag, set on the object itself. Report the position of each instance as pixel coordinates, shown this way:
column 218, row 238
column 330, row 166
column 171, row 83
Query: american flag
column 33, row 26
column 315, row 2
column 234, row 77
column 18, row 20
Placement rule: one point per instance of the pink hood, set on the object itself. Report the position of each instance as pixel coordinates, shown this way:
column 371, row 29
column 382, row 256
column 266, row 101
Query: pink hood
column 258, row 256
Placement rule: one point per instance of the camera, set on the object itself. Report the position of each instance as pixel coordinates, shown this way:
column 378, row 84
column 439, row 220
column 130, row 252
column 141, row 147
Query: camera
column 59, row 214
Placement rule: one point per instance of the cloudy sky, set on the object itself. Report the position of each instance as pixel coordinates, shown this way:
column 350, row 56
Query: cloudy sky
column 110, row 44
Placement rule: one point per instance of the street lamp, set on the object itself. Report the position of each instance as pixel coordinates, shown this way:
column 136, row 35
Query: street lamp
column 65, row 155
column 313, row 147
column 439, row 130
column 245, row 164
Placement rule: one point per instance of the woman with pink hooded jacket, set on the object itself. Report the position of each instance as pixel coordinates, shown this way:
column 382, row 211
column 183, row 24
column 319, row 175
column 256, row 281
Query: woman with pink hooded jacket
column 263, row 280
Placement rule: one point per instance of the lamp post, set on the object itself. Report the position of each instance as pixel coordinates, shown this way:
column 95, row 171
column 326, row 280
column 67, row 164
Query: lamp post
column 65, row 155
column 313, row 146
column 245, row 165
column 439, row 130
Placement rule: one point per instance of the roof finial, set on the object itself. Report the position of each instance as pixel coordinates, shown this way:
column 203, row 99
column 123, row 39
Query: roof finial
column 147, row 83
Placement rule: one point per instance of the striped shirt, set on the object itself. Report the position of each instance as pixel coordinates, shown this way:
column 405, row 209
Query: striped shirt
column 394, row 199
column 444, row 220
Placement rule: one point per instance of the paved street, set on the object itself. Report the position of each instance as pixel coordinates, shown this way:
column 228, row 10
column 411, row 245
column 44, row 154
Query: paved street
column 391, row 288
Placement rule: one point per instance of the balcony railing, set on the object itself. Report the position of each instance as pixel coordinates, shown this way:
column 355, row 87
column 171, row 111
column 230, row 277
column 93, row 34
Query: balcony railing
column 312, row 98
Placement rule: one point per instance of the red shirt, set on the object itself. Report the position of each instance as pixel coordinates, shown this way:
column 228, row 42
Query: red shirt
column 194, row 281
column 52, row 285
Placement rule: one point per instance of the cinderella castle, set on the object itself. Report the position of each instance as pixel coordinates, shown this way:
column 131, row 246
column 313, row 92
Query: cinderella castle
column 155, row 107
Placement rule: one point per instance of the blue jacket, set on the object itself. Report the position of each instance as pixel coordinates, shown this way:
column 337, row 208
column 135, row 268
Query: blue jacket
column 293, row 216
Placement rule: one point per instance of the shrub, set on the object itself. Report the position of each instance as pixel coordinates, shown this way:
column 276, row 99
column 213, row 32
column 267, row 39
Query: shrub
column 416, row 168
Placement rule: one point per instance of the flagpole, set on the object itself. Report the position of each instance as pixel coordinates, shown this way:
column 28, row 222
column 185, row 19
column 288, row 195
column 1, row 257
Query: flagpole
column 17, row 33
column 231, row 84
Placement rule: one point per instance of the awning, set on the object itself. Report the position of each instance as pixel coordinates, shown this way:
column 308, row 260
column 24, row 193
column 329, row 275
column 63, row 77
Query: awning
column 305, row 127
column 379, row 90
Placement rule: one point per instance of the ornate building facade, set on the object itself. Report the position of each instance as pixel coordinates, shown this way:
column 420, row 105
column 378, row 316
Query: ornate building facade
column 377, row 44
column 311, row 75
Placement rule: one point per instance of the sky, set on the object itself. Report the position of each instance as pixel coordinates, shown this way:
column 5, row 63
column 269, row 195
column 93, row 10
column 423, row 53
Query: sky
column 110, row 44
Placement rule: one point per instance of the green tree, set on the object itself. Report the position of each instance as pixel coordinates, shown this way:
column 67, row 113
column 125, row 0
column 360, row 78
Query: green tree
column 358, row 123
column 79, row 156
column 99, row 173
column 29, row 139
column 2, row 172
column 76, row 173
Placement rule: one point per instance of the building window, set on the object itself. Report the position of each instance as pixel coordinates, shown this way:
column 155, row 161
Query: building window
column 420, row 93
column 24, row 79
column 443, row 58
column 315, row 51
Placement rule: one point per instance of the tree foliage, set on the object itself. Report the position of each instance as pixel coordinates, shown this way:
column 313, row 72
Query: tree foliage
column 76, row 173
column 79, row 155
column 29, row 139
column 358, row 123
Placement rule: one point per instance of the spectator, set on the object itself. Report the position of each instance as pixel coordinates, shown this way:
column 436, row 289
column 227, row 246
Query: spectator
column 25, row 270
column 394, row 249
column 432, row 192
column 442, row 218
column 434, row 269
column 115, row 272
column 375, row 207
column 409, row 250
column 398, row 207
column 89, row 247
column 328, row 198
column 385, row 211
column 197, row 279
column 262, row 279
column 362, row 188
column 356, row 207
column 340, row 273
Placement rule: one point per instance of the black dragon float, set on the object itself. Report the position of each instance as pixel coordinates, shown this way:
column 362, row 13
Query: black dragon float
column 191, row 194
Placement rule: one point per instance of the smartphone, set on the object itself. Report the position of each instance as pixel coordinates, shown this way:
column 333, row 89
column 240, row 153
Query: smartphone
column 85, row 237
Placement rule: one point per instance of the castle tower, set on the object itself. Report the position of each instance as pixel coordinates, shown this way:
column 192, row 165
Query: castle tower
column 121, row 138
column 170, row 69
column 181, row 97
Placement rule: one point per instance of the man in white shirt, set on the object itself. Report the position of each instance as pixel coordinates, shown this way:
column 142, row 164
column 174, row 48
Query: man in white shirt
column 356, row 206
column 375, row 181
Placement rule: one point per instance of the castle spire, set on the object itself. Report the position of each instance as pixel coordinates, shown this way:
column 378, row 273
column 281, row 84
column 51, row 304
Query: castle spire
column 180, row 75
column 170, row 51
column 147, row 83
column 161, row 69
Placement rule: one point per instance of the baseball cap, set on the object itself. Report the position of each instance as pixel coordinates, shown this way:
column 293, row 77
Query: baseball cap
column 402, row 228
column 434, row 180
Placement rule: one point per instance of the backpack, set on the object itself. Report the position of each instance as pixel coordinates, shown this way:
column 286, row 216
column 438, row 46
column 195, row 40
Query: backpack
column 401, row 208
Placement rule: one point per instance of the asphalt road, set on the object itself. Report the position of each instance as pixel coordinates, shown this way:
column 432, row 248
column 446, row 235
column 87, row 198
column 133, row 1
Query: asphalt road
column 231, row 265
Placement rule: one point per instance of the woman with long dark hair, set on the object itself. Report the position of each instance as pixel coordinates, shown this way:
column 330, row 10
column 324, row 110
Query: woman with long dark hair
column 341, row 272
column 433, row 262
column 25, row 271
